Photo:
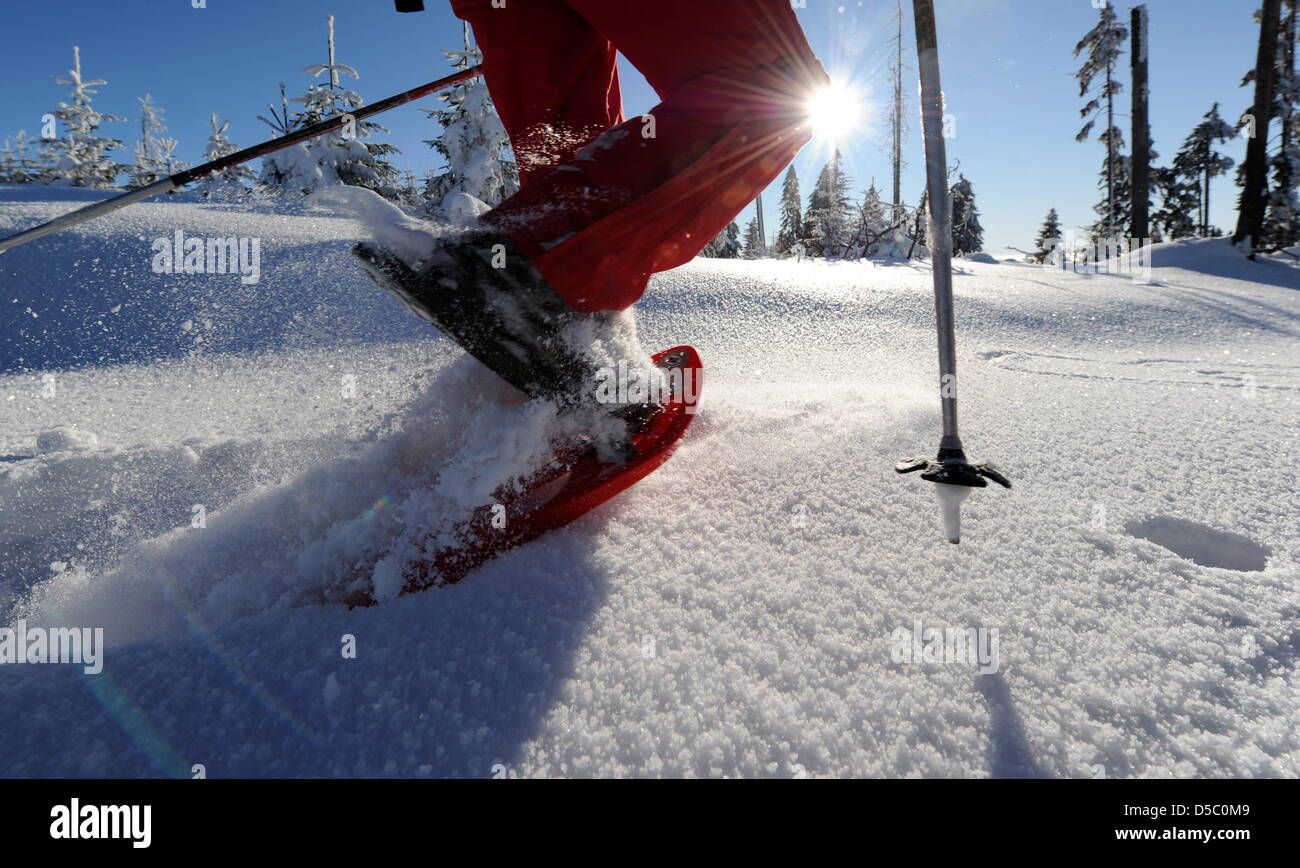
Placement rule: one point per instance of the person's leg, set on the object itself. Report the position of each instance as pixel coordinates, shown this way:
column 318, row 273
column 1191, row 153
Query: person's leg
column 554, row 82
column 648, row 194
column 552, row 77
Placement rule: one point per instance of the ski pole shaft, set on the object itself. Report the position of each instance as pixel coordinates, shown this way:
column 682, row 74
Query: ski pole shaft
column 89, row 212
column 180, row 179
column 936, row 171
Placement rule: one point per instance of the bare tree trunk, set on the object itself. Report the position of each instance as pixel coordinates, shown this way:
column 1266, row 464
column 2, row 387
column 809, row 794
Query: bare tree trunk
column 1254, row 195
column 1288, row 119
column 898, row 118
column 1110, row 154
column 1205, row 197
column 1288, row 63
column 1141, row 205
column 334, row 73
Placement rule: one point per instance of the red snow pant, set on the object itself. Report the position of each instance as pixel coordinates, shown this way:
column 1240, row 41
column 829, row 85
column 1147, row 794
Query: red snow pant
column 605, row 203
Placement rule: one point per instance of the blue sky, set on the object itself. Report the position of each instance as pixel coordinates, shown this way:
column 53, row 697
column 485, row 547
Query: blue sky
column 1007, row 66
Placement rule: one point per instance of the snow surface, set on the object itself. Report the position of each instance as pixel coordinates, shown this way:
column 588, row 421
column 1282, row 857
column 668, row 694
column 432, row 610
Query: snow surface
column 735, row 613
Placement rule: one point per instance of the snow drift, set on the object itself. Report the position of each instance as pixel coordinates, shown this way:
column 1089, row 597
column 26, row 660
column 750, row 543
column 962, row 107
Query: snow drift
column 738, row 613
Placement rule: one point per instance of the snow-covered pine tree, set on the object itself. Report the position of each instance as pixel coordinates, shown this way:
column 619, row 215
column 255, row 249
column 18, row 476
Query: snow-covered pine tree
column 725, row 245
column 153, row 153
column 791, row 208
column 343, row 157
column 1114, row 210
column 826, row 222
column 731, row 242
column 279, row 170
column 147, row 168
column 16, row 163
column 170, row 163
column 1179, row 201
column 1282, row 220
column 410, row 195
column 870, row 224
column 920, row 219
column 233, row 183
column 1049, row 237
column 1199, row 163
column 881, row 229
column 473, row 143
column 1104, row 45
column 8, row 165
column 28, row 166
column 967, row 233
column 753, row 241
column 79, row 158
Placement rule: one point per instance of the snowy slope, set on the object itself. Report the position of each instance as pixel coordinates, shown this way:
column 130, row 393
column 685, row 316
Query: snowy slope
column 731, row 615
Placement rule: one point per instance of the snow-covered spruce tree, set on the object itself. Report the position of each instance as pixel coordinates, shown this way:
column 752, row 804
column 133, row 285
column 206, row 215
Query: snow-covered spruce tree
column 1114, row 210
column 880, row 228
column 25, row 150
column 233, row 183
column 279, row 173
column 473, row 143
column 791, row 208
column 1179, row 202
column 920, row 220
column 16, row 163
column 895, row 243
column 1103, row 46
column 826, row 222
column 725, row 245
column 967, row 233
column 870, row 224
column 1282, row 219
column 1198, row 164
column 1049, row 237
column 343, row 157
column 79, row 158
column 731, row 243
column 754, row 248
column 410, row 193
column 153, row 153
column 8, row 165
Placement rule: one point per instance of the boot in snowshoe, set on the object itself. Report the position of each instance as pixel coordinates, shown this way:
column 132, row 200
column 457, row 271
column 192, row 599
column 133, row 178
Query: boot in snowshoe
column 485, row 294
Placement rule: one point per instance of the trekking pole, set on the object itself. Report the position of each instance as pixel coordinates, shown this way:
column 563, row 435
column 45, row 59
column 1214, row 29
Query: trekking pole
column 180, row 179
column 954, row 474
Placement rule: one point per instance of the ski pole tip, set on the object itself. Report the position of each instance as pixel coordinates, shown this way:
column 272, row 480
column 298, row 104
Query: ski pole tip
column 950, row 501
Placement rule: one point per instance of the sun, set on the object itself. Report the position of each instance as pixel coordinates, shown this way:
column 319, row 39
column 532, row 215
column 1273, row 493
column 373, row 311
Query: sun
column 835, row 111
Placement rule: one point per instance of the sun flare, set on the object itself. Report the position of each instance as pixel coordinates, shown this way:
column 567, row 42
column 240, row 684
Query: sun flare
column 835, row 111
